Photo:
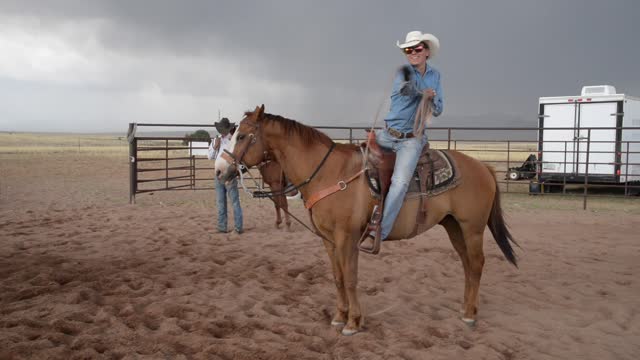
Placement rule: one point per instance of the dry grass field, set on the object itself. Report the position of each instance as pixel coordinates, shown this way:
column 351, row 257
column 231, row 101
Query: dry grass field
column 86, row 275
column 34, row 143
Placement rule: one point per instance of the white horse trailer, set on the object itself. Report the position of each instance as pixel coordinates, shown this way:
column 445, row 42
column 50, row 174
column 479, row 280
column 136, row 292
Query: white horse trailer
column 587, row 136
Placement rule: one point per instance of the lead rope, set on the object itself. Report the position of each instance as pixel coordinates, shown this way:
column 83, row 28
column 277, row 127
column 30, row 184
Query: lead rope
column 373, row 127
column 423, row 115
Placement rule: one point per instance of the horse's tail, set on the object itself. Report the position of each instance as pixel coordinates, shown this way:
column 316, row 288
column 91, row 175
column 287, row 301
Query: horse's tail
column 498, row 226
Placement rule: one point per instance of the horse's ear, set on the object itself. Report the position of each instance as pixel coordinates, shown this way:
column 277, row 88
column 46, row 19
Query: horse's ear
column 259, row 112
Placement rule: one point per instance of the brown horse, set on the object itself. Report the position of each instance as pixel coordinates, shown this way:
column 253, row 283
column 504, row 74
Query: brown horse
column 273, row 176
column 310, row 158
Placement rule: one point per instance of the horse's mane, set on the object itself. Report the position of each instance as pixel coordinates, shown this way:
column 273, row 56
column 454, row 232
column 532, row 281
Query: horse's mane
column 307, row 134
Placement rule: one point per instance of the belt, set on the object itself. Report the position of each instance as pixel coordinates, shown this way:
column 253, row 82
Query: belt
column 399, row 135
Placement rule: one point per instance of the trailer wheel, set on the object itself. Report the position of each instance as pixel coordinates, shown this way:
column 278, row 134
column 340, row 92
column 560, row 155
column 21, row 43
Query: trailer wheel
column 513, row 175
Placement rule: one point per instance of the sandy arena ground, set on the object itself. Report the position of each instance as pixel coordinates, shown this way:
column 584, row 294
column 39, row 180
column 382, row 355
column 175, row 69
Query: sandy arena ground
column 85, row 275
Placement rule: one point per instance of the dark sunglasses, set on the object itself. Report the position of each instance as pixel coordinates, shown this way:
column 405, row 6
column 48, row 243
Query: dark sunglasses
column 417, row 49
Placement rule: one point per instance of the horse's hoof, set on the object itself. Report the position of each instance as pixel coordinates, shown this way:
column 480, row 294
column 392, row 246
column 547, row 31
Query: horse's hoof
column 470, row 322
column 349, row 332
column 337, row 323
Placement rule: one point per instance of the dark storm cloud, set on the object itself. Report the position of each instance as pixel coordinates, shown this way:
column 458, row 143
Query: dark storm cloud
column 497, row 57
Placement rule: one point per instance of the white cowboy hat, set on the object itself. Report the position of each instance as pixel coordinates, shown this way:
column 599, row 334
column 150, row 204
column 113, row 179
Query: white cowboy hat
column 416, row 37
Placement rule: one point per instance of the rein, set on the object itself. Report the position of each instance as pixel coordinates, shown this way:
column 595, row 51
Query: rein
column 289, row 188
column 227, row 155
column 339, row 186
column 272, row 199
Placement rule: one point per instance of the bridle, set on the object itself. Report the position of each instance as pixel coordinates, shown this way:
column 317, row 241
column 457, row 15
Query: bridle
column 253, row 138
column 230, row 158
column 235, row 161
column 315, row 197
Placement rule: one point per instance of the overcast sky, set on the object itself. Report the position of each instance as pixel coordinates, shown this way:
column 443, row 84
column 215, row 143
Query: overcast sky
column 92, row 66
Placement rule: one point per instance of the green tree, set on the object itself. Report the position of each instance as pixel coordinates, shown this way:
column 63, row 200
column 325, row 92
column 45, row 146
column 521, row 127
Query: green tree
column 200, row 135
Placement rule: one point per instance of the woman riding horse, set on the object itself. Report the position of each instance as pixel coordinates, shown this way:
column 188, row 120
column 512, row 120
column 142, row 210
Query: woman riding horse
column 403, row 133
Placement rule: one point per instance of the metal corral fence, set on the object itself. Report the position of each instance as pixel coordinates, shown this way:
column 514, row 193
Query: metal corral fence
column 578, row 167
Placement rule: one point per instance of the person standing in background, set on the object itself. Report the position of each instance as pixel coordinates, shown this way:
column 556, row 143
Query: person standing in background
column 217, row 147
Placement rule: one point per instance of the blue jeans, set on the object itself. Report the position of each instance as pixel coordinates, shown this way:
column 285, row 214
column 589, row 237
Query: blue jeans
column 221, row 199
column 407, row 155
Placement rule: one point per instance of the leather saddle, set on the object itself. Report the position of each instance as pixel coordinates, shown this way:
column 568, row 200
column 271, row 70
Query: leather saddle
column 435, row 173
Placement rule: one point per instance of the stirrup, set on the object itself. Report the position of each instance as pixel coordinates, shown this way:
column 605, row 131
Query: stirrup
column 374, row 225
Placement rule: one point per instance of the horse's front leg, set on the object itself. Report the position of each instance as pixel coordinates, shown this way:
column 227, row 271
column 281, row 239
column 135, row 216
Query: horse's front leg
column 285, row 206
column 347, row 258
column 278, row 217
column 340, row 318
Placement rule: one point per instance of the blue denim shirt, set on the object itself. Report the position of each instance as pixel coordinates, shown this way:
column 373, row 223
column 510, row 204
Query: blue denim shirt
column 404, row 105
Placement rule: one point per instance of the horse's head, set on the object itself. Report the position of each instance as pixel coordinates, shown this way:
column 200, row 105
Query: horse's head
column 247, row 146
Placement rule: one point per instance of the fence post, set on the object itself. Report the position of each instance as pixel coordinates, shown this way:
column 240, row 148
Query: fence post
column 508, row 162
column 192, row 171
column 133, row 164
column 191, row 165
column 586, row 170
column 564, row 173
column 626, row 172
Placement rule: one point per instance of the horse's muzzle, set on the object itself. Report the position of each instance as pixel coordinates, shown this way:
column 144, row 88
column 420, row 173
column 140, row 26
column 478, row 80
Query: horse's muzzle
column 227, row 175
